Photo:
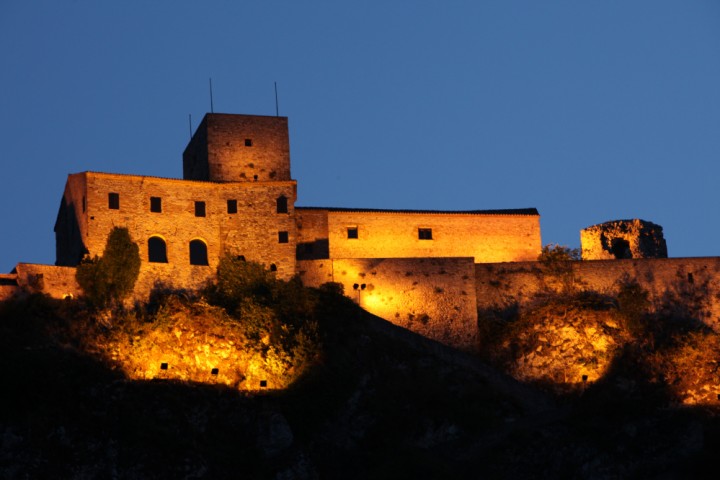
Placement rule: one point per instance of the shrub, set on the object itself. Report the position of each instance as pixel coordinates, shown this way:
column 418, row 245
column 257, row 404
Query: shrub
column 109, row 279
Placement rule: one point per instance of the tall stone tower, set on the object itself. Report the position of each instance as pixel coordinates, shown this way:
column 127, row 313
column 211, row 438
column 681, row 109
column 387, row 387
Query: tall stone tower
column 238, row 148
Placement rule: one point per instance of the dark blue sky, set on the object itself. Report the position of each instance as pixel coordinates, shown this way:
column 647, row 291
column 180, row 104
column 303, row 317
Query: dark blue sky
column 587, row 110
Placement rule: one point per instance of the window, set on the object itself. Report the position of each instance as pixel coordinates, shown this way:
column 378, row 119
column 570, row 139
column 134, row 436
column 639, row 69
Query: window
column 425, row 233
column 282, row 204
column 248, row 142
column 157, row 250
column 283, row 237
column 114, row 201
column 199, row 209
column 156, row 204
column 198, row 253
column 232, row 206
column 273, row 267
column 352, row 232
column 84, row 204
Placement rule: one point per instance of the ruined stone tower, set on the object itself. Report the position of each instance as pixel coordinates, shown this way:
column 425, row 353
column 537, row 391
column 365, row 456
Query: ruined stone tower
column 620, row 239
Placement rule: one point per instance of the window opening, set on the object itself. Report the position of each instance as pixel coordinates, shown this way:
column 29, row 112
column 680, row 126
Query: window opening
column 232, row 206
column 283, row 237
column 282, row 204
column 352, row 232
column 157, row 250
column 114, row 201
column 199, row 209
column 425, row 233
column 84, row 204
column 248, row 142
column 156, row 204
column 273, row 267
column 198, row 253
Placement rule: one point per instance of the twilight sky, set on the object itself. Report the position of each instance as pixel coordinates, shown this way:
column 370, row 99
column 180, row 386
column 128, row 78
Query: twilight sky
column 587, row 110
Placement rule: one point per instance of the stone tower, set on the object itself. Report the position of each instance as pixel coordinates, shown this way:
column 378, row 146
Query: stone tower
column 238, row 148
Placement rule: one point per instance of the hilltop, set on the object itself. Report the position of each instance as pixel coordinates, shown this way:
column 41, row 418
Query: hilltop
column 361, row 399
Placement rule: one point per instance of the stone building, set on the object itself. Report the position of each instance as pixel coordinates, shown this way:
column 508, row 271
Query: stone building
column 237, row 197
column 623, row 239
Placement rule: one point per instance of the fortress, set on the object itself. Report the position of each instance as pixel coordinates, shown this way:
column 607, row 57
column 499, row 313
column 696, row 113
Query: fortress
column 430, row 271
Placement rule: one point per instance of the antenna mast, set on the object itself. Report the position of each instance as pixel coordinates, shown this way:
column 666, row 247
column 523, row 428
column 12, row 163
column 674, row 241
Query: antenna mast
column 277, row 108
column 211, row 97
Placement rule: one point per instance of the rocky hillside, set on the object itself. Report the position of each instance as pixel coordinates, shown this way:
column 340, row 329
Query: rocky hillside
column 354, row 397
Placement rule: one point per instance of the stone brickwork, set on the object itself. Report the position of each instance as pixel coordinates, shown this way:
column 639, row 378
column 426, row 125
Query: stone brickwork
column 239, row 148
column 487, row 236
column 434, row 297
column 623, row 239
column 691, row 284
column 252, row 229
column 57, row 282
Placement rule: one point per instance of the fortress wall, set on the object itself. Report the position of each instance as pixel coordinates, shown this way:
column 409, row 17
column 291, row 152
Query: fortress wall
column 691, row 283
column 252, row 231
column 58, row 282
column 71, row 223
column 486, row 238
column 220, row 141
column 312, row 231
column 434, row 297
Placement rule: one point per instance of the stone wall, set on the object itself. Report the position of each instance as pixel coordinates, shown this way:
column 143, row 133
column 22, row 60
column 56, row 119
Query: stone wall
column 691, row 285
column 434, row 297
column 487, row 237
column 57, row 282
column 623, row 239
column 238, row 148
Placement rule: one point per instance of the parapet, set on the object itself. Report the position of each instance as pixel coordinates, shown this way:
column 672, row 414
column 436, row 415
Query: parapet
column 619, row 239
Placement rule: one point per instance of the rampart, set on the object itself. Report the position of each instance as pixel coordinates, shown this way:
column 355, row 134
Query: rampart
column 689, row 284
column 434, row 297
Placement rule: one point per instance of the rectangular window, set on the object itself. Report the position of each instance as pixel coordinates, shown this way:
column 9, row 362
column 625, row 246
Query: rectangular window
column 114, row 201
column 425, row 233
column 283, row 237
column 199, row 209
column 248, row 142
column 352, row 232
column 232, row 206
column 156, row 204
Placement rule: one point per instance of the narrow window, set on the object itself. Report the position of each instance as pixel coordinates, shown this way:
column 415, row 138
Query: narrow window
column 156, row 204
column 352, row 232
column 232, row 206
column 199, row 209
column 114, row 201
column 273, row 267
column 84, row 204
column 283, row 237
column 157, row 250
column 425, row 233
column 248, row 142
column 198, row 253
column 282, row 204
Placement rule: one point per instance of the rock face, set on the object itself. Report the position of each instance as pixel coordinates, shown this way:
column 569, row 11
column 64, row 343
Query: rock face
column 621, row 239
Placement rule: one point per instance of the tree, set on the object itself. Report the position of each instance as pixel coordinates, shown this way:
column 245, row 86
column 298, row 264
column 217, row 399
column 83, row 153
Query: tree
column 109, row 279
column 556, row 260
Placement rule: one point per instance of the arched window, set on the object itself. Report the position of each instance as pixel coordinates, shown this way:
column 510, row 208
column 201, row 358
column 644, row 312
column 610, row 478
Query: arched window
column 198, row 253
column 273, row 267
column 282, row 206
column 157, row 250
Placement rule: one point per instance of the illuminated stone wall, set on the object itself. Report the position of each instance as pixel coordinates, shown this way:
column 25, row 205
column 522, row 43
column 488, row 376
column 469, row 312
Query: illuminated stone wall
column 623, row 239
column 253, row 231
column 434, row 297
column 396, row 234
column 239, row 148
column 57, row 282
column 688, row 285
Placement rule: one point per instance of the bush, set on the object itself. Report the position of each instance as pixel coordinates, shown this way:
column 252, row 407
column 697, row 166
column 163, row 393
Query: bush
column 109, row 279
